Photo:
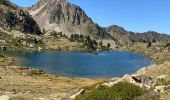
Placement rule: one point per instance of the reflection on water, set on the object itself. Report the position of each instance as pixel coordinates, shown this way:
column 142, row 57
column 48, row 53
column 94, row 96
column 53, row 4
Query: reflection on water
column 82, row 64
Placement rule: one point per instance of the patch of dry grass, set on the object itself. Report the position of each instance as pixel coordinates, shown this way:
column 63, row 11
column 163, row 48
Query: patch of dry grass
column 16, row 81
column 63, row 44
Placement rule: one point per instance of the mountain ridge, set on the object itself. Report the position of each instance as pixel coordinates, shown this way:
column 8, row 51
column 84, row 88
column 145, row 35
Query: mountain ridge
column 125, row 36
column 62, row 16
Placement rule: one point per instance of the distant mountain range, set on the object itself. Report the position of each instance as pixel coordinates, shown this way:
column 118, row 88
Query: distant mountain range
column 124, row 36
column 62, row 16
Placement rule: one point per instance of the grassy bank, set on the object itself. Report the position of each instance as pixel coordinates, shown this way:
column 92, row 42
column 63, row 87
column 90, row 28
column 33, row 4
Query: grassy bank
column 159, row 53
column 22, row 83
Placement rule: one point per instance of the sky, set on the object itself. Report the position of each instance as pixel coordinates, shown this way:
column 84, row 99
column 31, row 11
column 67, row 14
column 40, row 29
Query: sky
column 133, row 15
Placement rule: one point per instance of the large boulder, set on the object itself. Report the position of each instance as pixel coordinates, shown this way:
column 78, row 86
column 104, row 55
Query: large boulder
column 142, row 81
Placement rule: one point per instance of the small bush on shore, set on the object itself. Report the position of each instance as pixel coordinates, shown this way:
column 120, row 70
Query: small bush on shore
column 120, row 91
column 35, row 72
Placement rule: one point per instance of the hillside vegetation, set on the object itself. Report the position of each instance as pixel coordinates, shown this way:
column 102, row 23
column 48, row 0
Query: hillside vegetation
column 120, row 91
column 14, row 18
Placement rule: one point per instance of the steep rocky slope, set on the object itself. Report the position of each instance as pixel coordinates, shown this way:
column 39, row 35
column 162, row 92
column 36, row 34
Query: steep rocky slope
column 14, row 18
column 18, row 30
column 62, row 16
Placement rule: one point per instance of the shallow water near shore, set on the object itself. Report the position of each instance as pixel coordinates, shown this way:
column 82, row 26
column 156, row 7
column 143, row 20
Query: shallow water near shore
column 82, row 64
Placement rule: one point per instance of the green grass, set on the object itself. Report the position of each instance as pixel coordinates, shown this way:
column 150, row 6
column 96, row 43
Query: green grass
column 17, row 43
column 18, row 98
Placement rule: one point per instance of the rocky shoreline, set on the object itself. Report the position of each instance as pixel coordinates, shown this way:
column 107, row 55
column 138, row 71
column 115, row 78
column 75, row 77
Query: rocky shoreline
column 66, row 87
column 154, row 78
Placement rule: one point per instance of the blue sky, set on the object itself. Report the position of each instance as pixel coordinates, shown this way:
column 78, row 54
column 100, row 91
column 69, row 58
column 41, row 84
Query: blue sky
column 133, row 15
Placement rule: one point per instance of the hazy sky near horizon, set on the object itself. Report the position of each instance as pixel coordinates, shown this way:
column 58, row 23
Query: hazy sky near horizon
column 133, row 15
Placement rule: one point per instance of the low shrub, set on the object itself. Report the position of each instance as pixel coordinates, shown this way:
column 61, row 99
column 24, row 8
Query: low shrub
column 35, row 72
column 162, row 82
column 120, row 91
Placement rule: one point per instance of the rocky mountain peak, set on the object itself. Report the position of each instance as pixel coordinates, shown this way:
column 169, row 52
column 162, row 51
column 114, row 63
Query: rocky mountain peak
column 52, row 1
column 49, row 3
column 62, row 16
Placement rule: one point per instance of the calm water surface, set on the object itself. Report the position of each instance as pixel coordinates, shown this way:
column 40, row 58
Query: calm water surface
column 82, row 64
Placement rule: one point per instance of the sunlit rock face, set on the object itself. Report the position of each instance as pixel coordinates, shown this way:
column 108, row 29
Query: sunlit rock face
column 62, row 16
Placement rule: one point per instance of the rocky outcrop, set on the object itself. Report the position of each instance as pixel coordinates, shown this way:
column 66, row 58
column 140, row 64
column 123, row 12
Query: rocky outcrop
column 14, row 18
column 76, row 94
column 142, row 81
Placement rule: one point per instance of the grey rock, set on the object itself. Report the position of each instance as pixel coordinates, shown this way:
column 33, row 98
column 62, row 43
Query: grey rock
column 76, row 94
column 62, row 16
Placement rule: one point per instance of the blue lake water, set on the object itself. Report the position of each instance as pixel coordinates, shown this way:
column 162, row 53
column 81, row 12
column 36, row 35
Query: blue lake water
column 83, row 64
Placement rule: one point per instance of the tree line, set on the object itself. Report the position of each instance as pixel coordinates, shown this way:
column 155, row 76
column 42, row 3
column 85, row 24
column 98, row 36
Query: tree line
column 91, row 44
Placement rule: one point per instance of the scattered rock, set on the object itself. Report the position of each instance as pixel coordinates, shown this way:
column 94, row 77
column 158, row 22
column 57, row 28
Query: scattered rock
column 49, row 79
column 162, row 89
column 24, row 43
column 42, row 99
column 39, row 49
column 115, row 79
column 3, row 47
column 4, row 97
column 31, row 45
column 137, row 80
column 23, row 73
column 144, row 79
column 151, row 95
column 162, row 77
